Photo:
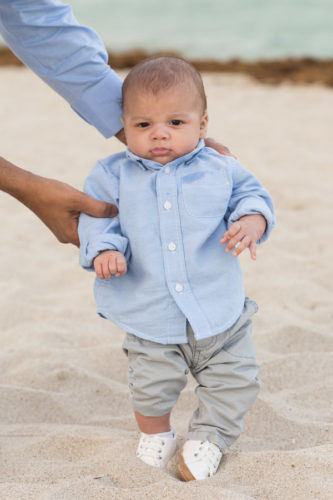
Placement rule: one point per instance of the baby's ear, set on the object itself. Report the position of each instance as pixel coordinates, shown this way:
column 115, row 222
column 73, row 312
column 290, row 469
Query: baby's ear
column 203, row 125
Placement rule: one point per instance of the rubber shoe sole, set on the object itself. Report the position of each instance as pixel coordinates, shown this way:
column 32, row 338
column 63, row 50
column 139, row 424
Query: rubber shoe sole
column 184, row 471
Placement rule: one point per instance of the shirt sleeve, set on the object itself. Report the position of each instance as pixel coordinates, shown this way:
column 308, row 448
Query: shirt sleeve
column 69, row 57
column 98, row 234
column 249, row 197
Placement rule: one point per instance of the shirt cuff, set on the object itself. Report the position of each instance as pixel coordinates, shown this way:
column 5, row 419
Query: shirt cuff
column 100, row 105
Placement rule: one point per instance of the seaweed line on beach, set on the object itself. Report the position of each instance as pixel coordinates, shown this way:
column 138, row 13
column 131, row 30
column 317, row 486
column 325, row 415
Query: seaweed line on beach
column 304, row 70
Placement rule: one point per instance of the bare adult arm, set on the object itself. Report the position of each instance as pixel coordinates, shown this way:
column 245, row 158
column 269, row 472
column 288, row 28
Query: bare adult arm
column 57, row 204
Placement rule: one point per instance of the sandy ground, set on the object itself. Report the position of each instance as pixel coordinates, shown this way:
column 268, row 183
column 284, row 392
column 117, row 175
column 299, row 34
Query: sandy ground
column 66, row 425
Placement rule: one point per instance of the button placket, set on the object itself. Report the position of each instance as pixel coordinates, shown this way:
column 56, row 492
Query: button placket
column 172, row 246
column 169, row 226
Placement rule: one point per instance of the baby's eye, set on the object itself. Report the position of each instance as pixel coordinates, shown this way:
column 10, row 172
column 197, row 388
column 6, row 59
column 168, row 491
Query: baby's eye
column 176, row 122
column 143, row 124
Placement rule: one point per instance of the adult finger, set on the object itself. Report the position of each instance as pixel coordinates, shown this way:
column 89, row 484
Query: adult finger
column 220, row 148
column 95, row 208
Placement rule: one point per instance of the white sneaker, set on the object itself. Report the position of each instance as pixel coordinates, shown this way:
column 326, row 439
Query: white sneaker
column 156, row 450
column 199, row 460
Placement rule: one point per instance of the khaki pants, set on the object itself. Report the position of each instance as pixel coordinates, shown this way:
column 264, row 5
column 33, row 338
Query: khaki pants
column 223, row 365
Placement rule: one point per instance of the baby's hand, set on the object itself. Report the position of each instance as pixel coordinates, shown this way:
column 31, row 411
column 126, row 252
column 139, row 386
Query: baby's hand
column 245, row 233
column 110, row 262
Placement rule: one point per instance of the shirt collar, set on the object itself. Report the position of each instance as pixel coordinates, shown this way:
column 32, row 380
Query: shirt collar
column 154, row 165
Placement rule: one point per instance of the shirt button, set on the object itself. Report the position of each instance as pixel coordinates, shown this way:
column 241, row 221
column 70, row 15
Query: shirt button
column 167, row 205
column 179, row 287
column 167, row 170
column 172, row 246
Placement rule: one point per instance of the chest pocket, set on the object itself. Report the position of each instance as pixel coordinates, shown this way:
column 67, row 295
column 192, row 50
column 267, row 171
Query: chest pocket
column 203, row 197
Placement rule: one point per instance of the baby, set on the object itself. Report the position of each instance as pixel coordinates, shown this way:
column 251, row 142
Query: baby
column 185, row 214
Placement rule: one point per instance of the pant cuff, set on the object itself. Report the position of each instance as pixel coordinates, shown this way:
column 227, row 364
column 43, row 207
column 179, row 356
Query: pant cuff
column 212, row 437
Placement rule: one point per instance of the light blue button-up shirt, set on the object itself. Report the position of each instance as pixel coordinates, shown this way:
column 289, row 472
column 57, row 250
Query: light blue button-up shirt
column 171, row 219
column 69, row 57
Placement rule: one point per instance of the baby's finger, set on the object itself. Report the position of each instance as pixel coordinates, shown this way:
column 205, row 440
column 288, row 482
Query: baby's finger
column 232, row 231
column 234, row 241
column 253, row 250
column 99, row 271
column 244, row 243
column 105, row 268
column 121, row 266
column 224, row 238
column 112, row 265
column 117, row 265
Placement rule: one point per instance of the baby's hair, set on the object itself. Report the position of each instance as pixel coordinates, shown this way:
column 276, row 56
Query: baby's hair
column 161, row 73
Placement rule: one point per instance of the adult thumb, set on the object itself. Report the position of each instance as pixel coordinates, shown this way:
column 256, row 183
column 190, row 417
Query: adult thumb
column 96, row 208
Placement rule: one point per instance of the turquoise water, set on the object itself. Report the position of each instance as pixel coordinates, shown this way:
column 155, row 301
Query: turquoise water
column 219, row 29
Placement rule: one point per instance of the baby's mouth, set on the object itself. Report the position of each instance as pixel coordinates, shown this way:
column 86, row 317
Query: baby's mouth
column 160, row 151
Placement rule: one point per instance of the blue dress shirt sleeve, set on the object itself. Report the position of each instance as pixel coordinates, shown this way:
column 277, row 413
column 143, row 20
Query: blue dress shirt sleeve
column 98, row 234
column 249, row 197
column 69, row 57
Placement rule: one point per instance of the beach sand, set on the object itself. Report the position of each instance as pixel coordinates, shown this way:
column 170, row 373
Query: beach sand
column 67, row 430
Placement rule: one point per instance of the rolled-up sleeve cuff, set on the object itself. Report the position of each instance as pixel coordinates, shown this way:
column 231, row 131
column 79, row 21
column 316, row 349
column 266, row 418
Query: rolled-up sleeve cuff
column 261, row 209
column 99, row 244
column 100, row 105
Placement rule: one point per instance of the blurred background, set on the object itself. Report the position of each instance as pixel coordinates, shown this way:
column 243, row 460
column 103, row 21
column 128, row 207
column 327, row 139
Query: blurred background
column 216, row 29
column 213, row 29
column 270, row 40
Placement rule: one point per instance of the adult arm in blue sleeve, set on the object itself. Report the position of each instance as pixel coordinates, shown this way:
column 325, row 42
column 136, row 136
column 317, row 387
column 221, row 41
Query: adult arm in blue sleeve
column 249, row 197
column 101, row 234
column 69, row 57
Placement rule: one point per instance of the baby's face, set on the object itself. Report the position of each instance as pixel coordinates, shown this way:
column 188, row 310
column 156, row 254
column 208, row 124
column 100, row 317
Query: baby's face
column 164, row 126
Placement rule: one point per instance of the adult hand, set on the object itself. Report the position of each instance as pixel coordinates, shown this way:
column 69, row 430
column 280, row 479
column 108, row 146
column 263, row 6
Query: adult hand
column 121, row 136
column 57, row 204
column 220, row 148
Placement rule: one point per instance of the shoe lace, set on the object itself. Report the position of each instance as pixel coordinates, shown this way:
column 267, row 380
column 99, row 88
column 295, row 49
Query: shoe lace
column 211, row 455
column 150, row 446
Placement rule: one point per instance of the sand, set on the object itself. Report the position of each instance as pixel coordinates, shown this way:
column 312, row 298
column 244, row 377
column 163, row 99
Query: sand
column 67, row 430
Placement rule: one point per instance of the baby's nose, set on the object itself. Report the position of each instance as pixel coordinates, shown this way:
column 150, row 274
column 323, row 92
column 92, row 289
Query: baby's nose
column 159, row 132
